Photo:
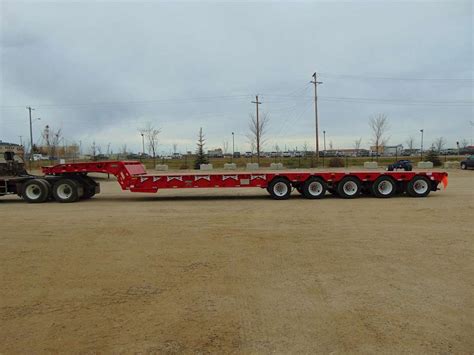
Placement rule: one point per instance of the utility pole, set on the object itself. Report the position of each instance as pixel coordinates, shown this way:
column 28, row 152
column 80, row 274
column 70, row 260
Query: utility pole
column 316, row 82
column 21, row 140
column 421, row 151
column 256, row 102
column 233, row 147
column 143, row 145
column 31, row 137
column 324, row 134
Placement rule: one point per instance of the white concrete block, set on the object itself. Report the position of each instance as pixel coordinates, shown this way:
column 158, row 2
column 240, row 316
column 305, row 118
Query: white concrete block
column 252, row 166
column 230, row 166
column 371, row 165
column 452, row 164
column 205, row 167
column 276, row 166
column 425, row 165
column 161, row 167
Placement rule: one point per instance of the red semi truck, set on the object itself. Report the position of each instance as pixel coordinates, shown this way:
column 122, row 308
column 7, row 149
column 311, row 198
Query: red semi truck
column 71, row 182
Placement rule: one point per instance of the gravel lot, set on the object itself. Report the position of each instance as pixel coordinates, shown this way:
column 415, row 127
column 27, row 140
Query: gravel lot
column 221, row 271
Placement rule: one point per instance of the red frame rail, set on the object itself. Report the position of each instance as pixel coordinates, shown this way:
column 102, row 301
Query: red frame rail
column 132, row 176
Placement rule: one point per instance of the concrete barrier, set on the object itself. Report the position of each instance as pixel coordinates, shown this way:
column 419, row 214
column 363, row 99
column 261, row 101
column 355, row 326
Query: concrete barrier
column 252, row 166
column 452, row 165
column 371, row 165
column 161, row 167
column 425, row 165
column 230, row 166
column 205, row 167
column 276, row 166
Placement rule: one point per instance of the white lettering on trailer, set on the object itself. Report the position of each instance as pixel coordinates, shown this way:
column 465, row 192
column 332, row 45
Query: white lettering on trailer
column 225, row 177
column 143, row 179
column 156, row 178
column 205, row 177
column 253, row 177
column 179, row 178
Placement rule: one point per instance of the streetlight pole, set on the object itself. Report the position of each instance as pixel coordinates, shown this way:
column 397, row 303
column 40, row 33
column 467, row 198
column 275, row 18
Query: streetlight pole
column 324, row 135
column 421, row 130
column 316, row 119
column 31, row 137
column 143, row 145
column 233, row 147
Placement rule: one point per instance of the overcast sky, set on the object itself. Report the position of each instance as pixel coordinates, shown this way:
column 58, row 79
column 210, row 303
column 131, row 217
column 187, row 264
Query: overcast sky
column 101, row 70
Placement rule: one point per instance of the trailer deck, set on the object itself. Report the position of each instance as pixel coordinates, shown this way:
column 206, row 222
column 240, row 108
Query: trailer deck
column 132, row 176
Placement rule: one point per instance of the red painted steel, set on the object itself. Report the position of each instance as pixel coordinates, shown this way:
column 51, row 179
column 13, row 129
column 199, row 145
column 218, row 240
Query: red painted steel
column 132, row 176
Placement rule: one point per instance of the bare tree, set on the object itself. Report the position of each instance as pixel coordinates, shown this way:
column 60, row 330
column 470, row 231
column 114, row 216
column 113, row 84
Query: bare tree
column 56, row 137
column 93, row 150
column 379, row 126
column 464, row 143
column 439, row 144
column 330, row 145
column 151, row 135
column 410, row 144
column 225, row 146
column 123, row 151
column 175, row 148
column 257, row 134
column 305, row 149
column 357, row 144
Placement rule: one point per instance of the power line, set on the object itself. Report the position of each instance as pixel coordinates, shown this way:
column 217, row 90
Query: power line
column 395, row 78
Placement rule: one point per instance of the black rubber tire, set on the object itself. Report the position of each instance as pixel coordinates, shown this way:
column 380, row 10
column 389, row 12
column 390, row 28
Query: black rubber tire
column 349, row 179
column 71, row 195
column 41, row 188
column 412, row 189
column 383, row 179
column 307, row 188
column 463, row 166
column 273, row 186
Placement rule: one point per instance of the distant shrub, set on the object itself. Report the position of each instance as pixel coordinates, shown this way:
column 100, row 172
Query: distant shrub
column 433, row 157
column 336, row 163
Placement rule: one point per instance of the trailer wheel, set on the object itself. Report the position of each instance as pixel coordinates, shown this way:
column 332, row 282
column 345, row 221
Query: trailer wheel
column 280, row 189
column 314, row 188
column 66, row 190
column 349, row 187
column 419, row 186
column 384, row 187
column 35, row 191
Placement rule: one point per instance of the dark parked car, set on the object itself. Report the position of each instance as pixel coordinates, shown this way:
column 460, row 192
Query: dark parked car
column 401, row 164
column 468, row 163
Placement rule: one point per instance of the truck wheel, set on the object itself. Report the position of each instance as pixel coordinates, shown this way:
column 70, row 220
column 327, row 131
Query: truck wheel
column 35, row 191
column 314, row 188
column 66, row 190
column 349, row 187
column 419, row 186
column 280, row 189
column 384, row 187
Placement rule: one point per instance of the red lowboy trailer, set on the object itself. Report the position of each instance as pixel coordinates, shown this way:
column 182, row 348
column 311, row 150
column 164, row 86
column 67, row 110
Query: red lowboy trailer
column 70, row 182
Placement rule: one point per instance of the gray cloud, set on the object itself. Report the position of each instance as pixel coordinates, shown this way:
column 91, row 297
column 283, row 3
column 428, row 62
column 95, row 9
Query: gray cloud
column 100, row 70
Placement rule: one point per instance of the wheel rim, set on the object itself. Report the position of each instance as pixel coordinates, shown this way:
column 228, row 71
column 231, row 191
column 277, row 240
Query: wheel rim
column 385, row 187
column 33, row 192
column 315, row 188
column 350, row 188
column 64, row 191
column 420, row 187
column 280, row 189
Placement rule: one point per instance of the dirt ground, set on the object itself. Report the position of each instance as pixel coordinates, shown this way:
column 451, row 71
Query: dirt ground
column 233, row 271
